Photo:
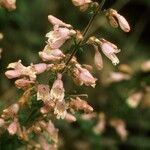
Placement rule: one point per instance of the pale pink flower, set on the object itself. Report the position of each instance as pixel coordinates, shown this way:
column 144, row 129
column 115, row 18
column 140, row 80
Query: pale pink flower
column 118, row 76
column 79, row 104
column 124, row 25
column 58, row 37
column 12, row 128
column 10, row 74
column 84, row 76
column 20, row 70
column 120, row 128
column 57, row 91
column 88, row 116
column 100, row 126
column 70, row 118
column 39, row 68
column 16, row 65
column 110, row 50
column 57, row 22
column 134, row 99
column 9, row 4
column 51, row 55
column 81, row 2
column 43, row 92
column 60, row 109
column 23, row 83
column 98, row 59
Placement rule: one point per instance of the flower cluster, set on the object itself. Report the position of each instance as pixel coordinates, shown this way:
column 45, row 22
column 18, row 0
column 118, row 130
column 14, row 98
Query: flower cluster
column 53, row 100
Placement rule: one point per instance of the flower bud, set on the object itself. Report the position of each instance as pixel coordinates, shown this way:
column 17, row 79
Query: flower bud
column 56, row 22
column 98, row 59
column 10, row 74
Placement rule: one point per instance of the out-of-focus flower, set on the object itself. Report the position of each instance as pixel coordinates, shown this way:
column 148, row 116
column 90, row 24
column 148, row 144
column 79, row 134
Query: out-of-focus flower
column 134, row 99
column 146, row 66
column 57, row 91
column 120, row 128
column 100, row 126
column 52, row 131
column 115, row 19
column 43, row 92
column 98, row 59
column 125, row 69
column 1, row 50
column 9, row 4
column 45, row 145
column 118, row 76
column 2, row 122
column 79, row 104
column 51, row 55
column 83, row 4
column 59, row 36
column 83, row 76
column 70, row 118
column 57, row 22
column 110, row 50
column 1, row 36
column 88, row 116
column 23, row 83
column 60, row 109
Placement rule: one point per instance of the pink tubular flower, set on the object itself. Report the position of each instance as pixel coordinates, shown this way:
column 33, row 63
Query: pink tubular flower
column 57, row 22
column 113, row 15
column 43, row 92
column 84, row 76
column 9, row 4
column 23, row 83
column 58, row 37
column 118, row 76
column 57, row 91
column 39, row 68
column 98, row 59
column 110, row 50
column 10, row 74
column 51, row 55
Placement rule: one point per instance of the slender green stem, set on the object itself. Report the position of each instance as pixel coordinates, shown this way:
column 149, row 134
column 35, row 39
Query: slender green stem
column 99, row 8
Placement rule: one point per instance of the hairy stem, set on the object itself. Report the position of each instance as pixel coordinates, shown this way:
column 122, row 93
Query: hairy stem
column 99, row 8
